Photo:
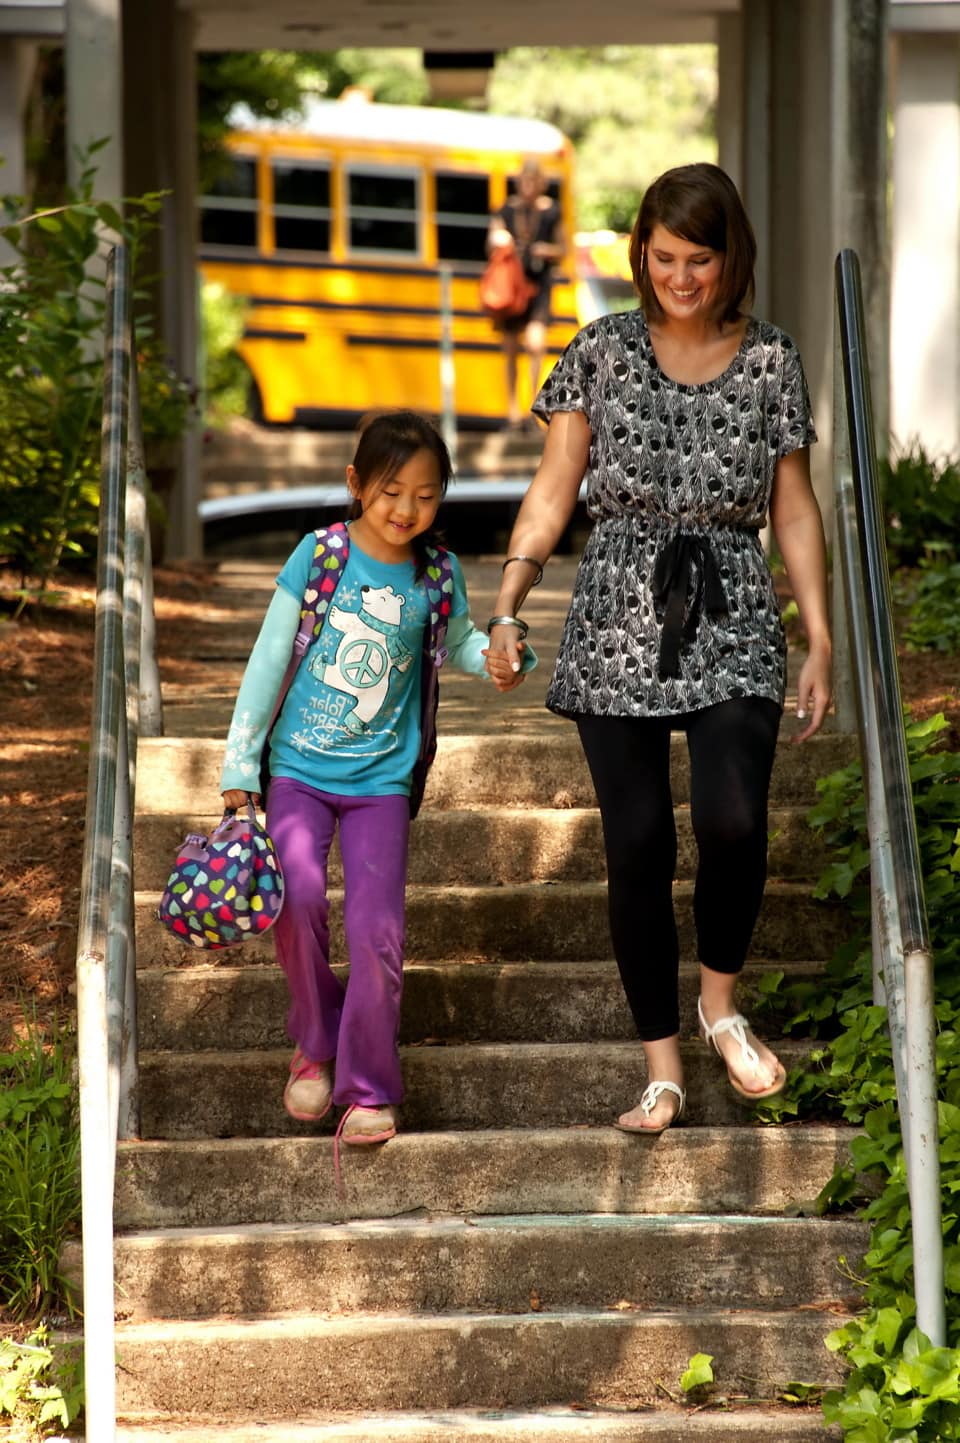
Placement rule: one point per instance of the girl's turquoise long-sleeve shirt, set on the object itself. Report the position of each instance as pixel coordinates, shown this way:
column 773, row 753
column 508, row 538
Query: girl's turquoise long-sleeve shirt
column 350, row 724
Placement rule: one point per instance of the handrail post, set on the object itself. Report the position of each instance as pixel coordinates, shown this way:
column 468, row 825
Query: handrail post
column 98, row 1084
column 844, row 700
column 899, row 910
column 448, row 376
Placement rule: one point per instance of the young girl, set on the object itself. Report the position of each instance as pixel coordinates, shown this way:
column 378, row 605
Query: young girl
column 342, row 751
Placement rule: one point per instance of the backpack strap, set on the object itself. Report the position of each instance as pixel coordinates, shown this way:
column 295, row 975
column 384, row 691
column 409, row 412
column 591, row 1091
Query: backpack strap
column 438, row 579
column 329, row 558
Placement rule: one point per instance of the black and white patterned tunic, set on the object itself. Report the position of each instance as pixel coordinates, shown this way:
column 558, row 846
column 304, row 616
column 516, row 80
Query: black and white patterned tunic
column 673, row 608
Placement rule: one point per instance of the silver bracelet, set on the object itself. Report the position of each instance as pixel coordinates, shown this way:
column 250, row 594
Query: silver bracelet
column 522, row 626
column 533, row 562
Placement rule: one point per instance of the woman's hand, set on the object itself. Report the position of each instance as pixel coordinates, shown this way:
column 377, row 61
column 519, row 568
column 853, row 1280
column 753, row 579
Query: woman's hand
column 505, row 657
column 813, row 691
column 234, row 800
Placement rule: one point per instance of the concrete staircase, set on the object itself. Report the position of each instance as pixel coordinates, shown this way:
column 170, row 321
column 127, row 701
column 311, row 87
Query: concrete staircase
column 510, row 1267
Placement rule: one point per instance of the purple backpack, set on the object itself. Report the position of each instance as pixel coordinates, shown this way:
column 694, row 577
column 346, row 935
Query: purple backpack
column 329, row 558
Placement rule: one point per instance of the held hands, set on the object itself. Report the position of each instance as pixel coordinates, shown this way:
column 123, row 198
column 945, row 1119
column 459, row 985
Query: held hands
column 504, row 657
column 813, row 692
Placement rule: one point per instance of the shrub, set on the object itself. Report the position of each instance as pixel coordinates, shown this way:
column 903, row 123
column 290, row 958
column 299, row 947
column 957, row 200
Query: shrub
column 226, row 380
column 52, row 312
column 39, row 1173
column 922, row 504
column 899, row 1386
column 931, row 595
column 41, row 1384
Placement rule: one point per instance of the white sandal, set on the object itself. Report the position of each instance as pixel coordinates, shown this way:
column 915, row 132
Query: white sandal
column 651, row 1096
column 737, row 1026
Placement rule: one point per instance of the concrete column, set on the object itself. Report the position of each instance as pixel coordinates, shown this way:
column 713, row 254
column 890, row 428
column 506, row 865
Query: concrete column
column 160, row 105
column 925, row 310
column 730, row 96
column 185, row 537
column 16, row 67
column 757, row 23
column 814, row 162
column 94, row 96
column 861, row 47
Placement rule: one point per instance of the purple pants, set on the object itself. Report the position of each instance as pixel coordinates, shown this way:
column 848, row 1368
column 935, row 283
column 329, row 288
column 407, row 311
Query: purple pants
column 356, row 1025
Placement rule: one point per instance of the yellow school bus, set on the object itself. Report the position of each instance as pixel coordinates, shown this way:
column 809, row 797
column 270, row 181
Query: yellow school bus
column 337, row 231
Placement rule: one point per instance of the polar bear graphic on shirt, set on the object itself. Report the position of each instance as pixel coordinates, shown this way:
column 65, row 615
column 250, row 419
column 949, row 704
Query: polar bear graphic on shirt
column 368, row 649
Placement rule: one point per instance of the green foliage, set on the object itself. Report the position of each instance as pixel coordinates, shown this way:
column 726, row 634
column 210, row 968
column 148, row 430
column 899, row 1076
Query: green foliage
column 39, row 1173
column 931, row 595
column 226, row 380
column 273, row 84
column 52, row 311
column 631, row 111
column 698, row 1372
column 899, row 1386
column 41, row 1383
column 922, row 504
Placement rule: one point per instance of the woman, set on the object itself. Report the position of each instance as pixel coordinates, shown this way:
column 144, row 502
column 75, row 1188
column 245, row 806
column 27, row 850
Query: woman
column 691, row 421
column 529, row 223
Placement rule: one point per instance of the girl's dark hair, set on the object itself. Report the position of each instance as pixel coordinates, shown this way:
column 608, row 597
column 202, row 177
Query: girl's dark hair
column 387, row 441
column 700, row 203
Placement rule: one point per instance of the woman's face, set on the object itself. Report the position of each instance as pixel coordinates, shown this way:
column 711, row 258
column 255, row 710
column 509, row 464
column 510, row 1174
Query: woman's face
column 685, row 277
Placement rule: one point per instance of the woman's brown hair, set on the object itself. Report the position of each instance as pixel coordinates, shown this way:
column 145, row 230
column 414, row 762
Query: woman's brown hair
column 387, row 441
column 700, row 203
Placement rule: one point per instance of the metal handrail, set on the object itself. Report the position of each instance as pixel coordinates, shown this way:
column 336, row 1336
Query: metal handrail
column 126, row 704
column 903, row 963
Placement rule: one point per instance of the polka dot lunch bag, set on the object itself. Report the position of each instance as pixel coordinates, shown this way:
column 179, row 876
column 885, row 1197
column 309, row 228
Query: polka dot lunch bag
column 223, row 888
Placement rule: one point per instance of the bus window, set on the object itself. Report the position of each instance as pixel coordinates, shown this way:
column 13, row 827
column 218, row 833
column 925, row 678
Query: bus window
column 301, row 206
column 228, row 212
column 383, row 209
column 463, row 216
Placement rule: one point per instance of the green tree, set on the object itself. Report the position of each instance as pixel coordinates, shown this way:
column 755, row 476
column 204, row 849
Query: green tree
column 631, row 111
column 277, row 83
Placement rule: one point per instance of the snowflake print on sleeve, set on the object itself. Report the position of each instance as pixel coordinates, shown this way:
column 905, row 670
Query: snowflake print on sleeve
column 241, row 754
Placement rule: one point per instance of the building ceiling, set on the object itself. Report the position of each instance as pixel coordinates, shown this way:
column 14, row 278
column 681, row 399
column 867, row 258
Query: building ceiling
column 451, row 24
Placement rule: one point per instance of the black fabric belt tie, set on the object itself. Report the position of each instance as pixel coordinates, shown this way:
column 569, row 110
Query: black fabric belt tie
column 671, row 587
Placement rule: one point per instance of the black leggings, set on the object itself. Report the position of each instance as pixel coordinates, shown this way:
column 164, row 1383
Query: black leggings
column 731, row 749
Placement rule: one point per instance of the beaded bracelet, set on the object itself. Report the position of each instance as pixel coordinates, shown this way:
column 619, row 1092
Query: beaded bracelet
column 533, row 562
column 508, row 621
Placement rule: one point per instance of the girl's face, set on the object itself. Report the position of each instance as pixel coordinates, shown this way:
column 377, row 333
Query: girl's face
column 400, row 509
column 685, row 277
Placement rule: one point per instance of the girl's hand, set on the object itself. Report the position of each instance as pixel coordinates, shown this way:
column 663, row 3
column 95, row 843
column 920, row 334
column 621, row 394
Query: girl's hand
column 813, row 692
column 236, row 800
column 504, row 658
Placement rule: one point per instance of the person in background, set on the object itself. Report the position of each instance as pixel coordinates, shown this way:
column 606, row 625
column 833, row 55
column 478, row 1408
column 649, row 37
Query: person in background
column 530, row 223
column 690, row 420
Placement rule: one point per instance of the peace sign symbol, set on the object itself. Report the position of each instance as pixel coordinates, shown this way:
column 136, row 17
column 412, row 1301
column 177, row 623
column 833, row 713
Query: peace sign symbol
column 364, row 664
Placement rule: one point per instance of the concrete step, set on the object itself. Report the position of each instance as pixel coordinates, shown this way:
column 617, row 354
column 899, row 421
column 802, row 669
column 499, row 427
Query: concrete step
column 480, row 1085
column 284, row 1367
column 563, row 921
column 228, row 1182
column 212, row 1005
column 543, row 767
column 494, row 846
column 259, row 452
column 492, row 1265
column 721, row 1424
